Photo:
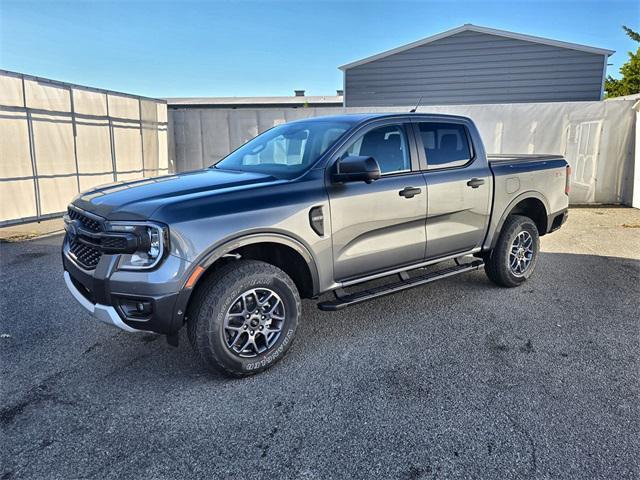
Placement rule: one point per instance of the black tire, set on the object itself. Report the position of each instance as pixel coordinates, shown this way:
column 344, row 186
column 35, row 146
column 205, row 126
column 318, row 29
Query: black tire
column 214, row 299
column 497, row 262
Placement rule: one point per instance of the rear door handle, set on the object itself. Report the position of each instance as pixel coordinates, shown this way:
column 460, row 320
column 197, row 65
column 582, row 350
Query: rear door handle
column 410, row 192
column 475, row 182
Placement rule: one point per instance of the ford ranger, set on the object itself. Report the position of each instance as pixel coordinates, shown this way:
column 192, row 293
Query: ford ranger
column 318, row 205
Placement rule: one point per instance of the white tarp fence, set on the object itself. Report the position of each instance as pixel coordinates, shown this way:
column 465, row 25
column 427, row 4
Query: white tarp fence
column 597, row 138
column 58, row 139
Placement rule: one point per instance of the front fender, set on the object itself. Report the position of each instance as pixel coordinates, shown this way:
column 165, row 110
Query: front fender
column 224, row 247
column 216, row 252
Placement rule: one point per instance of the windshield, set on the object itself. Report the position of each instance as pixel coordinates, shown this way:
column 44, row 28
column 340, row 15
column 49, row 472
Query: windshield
column 287, row 150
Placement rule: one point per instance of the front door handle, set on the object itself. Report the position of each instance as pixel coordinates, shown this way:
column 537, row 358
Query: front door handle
column 475, row 182
column 410, row 192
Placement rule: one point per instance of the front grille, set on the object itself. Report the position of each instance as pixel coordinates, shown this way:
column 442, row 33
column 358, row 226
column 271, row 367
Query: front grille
column 86, row 255
column 86, row 221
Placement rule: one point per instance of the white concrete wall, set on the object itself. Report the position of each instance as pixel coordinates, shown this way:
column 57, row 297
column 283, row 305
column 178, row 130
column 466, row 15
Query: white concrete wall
column 597, row 138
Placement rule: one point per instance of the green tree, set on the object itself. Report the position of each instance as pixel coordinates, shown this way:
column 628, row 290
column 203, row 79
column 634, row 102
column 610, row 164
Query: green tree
column 630, row 71
column 633, row 35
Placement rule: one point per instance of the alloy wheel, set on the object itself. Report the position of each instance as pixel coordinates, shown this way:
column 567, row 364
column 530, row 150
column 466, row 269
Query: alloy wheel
column 254, row 322
column 521, row 253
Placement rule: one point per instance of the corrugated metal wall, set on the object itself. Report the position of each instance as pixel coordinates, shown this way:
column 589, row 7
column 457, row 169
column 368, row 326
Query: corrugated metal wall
column 472, row 67
column 595, row 137
column 57, row 139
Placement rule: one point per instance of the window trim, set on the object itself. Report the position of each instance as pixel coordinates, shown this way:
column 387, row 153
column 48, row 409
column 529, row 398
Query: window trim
column 405, row 124
column 424, row 159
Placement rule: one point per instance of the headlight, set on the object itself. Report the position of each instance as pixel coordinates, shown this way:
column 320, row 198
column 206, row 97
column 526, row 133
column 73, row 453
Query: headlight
column 152, row 244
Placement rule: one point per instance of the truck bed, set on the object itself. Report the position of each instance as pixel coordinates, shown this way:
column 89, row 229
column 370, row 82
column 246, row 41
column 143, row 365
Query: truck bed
column 541, row 177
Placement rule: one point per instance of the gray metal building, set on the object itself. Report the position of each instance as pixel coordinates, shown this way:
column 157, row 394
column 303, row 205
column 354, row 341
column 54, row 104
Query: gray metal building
column 472, row 64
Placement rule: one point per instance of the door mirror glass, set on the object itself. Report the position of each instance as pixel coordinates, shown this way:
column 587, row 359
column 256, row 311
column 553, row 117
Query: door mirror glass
column 356, row 169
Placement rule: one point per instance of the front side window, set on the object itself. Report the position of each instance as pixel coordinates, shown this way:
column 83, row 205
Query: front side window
column 287, row 150
column 445, row 144
column 387, row 145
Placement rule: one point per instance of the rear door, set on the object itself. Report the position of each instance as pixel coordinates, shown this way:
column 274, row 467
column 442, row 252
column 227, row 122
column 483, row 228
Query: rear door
column 459, row 187
column 379, row 225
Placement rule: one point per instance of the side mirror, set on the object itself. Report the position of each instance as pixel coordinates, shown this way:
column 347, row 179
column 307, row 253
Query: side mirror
column 356, row 169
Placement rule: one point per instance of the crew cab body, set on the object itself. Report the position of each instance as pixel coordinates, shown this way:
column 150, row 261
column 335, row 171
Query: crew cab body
column 437, row 196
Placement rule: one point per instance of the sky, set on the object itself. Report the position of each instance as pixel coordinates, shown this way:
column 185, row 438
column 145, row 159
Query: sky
column 246, row 48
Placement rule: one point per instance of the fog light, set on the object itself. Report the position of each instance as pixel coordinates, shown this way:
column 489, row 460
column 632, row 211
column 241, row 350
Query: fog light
column 136, row 309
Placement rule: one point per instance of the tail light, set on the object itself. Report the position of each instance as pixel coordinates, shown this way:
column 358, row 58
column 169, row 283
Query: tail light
column 567, row 184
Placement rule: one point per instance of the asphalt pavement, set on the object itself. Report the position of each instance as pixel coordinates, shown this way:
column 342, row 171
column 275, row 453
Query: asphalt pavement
column 458, row 379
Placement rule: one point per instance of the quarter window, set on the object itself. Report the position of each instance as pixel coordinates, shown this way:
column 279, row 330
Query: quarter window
column 445, row 144
column 387, row 145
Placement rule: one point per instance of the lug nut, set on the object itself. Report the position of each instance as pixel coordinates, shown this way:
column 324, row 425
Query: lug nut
column 244, row 326
column 252, row 332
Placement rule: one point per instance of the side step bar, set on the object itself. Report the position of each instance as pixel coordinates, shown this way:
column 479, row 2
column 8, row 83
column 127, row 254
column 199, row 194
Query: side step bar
column 344, row 300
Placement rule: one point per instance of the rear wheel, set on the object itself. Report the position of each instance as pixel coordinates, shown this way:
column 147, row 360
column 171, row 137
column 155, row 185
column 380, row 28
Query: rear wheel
column 244, row 318
column 514, row 258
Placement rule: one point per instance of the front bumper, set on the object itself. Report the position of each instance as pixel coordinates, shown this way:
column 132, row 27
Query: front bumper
column 105, row 292
column 104, row 313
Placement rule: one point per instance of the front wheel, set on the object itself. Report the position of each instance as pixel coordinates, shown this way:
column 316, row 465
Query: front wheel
column 245, row 317
column 515, row 255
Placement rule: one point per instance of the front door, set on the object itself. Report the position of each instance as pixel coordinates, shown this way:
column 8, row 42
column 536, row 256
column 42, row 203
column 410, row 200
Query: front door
column 459, row 186
column 379, row 225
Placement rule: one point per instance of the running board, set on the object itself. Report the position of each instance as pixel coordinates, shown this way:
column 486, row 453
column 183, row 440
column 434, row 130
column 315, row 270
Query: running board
column 344, row 300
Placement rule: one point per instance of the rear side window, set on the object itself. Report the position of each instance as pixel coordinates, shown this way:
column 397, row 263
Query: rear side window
column 445, row 144
column 387, row 145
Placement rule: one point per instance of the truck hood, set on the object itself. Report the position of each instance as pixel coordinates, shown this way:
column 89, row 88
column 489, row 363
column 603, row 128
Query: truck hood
column 138, row 199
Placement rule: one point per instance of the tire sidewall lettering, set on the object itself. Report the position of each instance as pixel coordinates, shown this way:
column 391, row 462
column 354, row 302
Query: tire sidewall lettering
column 271, row 357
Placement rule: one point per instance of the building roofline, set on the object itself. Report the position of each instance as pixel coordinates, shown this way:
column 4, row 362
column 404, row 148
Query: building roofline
column 239, row 102
column 476, row 28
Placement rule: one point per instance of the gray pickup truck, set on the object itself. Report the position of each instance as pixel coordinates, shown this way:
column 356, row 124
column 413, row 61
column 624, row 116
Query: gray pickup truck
column 314, row 206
